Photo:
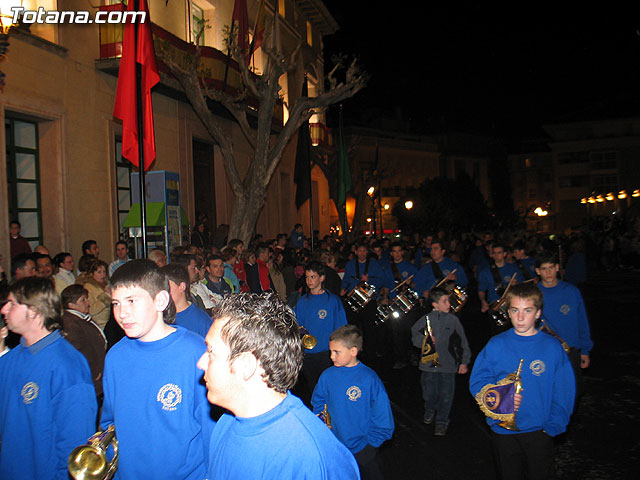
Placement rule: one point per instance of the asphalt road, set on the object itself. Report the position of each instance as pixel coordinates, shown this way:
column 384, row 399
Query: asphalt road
column 602, row 441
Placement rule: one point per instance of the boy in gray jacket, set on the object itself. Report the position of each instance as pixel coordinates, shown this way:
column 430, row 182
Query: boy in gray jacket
column 445, row 352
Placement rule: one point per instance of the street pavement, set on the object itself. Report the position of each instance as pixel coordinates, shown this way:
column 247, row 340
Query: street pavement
column 602, row 441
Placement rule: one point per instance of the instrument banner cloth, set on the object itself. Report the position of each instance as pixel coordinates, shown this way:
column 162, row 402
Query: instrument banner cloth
column 428, row 351
column 497, row 401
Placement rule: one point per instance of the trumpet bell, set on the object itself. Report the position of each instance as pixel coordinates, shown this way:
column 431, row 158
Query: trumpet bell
column 309, row 341
column 89, row 462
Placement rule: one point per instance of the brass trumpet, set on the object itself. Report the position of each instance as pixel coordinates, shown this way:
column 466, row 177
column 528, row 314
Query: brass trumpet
column 308, row 340
column 324, row 416
column 89, row 461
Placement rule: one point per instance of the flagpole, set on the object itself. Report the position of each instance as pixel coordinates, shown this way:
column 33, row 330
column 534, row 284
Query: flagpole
column 143, row 196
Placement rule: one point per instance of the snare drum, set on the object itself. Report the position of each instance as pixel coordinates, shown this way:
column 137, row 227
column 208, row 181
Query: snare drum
column 405, row 301
column 360, row 296
column 457, row 298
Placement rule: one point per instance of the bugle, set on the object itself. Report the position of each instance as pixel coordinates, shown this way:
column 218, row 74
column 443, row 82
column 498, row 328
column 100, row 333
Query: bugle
column 89, row 461
column 308, row 340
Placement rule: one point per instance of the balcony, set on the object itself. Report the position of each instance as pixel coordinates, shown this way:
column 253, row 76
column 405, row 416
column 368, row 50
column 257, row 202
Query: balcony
column 212, row 66
column 321, row 135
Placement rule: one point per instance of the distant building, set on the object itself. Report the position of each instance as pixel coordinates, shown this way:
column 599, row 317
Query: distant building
column 583, row 169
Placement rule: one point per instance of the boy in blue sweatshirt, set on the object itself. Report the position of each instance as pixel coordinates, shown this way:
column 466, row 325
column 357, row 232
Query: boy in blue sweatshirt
column 152, row 388
column 47, row 400
column 544, row 407
column 356, row 400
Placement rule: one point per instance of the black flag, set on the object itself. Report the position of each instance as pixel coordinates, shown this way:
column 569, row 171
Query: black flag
column 302, row 172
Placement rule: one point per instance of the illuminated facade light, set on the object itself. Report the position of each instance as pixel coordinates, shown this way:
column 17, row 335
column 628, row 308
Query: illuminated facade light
column 636, row 193
column 622, row 194
column 370, row 191
column 408, row 204
column 599, row 199
column 387, row 206
column 368, row 219
column 610, row 196
column 591, row 200
column 583, row 200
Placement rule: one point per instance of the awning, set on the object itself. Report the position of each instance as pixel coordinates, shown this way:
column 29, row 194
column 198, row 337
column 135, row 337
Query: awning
column 155, row 215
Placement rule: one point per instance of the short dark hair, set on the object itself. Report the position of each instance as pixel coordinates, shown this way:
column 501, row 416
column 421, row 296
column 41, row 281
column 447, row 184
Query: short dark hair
column 396, row 244
column 121, row 242
column 184, row 259
column 315, row 266
column 15, row 222
column 234, row 242
column 436, row 293
column 60, row 258
column 72, row 293
column 263, row 325
column 228, row 253
column 86, row 245
column 147, row 275
column 546, row 257
column 177, row 274
column 40, row 295
column 83, row 263
column 19, row 261
column 498, row 245
column 525, row 291
column 349, row 335
column 519, row 245
column 213, row 257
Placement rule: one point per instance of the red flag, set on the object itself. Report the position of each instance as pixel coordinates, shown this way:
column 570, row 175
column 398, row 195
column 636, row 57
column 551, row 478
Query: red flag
column 258, row 31
column 126, row 102
column 241, row 16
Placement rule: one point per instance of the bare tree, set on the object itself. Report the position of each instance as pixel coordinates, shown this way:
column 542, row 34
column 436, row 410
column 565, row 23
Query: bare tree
column 250, row 189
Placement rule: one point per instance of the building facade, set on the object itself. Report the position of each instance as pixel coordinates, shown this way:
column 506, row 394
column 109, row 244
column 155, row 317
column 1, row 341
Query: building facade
column 65, row 179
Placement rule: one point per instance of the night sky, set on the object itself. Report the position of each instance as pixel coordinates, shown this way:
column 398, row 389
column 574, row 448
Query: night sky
column 476, row 67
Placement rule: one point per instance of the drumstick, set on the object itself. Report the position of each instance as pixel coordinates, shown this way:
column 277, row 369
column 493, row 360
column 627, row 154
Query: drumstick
column 443, row 280
column 403, row 282
column 508, row 286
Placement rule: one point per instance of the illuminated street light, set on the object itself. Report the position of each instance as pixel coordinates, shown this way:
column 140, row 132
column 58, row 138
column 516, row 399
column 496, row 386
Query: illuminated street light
column 386, row 206
column 408, row 204
column 370, row 191
column 368, row 219
column 540, row 212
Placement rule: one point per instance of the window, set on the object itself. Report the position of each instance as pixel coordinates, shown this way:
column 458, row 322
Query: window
column 604, row 182
column 604, row 160
column 23, row 177
column 123, row 183
column 570, row 181
column 197, row 24
column 573, row 157
column 309, row 34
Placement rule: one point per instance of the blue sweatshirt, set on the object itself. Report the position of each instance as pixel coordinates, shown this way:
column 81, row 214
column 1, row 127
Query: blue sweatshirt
column 358, row 405
column 547, row 379
column 426, row 280
column 376, row 275
column 47, row 408
column 321, row 315
column 405, row 269
column 194, row 319
column 564, row 311
column 154, row 396
column 487, row 283
column 287, row 442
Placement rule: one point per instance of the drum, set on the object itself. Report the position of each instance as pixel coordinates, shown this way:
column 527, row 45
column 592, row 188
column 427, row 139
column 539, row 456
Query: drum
column 500, row 316
column 360, row 296
column 405, row 301
column 457, row 298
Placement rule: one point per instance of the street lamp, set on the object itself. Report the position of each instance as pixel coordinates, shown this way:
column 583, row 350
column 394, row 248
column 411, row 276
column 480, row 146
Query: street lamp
column 408, row 204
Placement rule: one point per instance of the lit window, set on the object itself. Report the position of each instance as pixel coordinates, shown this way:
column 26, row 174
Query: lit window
column 309, row 34
column 197, row 24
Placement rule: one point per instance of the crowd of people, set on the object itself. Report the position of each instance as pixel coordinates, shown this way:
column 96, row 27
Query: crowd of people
column 263, row 320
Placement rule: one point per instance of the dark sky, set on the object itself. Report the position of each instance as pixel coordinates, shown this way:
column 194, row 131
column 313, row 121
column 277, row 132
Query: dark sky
column 486, row 68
